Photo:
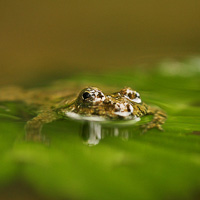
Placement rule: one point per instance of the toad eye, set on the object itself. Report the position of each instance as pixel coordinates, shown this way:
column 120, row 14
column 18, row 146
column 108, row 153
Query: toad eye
column 86, row 95
column 131, row 95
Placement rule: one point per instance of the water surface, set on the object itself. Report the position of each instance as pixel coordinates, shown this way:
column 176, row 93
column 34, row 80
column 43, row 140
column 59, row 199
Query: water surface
column 91, row 161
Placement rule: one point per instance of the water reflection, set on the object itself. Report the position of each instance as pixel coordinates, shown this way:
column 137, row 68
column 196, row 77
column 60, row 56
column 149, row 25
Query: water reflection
column 93, row 132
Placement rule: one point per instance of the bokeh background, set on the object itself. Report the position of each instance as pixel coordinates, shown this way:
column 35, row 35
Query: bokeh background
column 44, row 40
column 40, row 39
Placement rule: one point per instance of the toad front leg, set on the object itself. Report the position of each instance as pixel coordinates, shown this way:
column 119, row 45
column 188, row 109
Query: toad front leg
column 159, row 118
column 34, row 126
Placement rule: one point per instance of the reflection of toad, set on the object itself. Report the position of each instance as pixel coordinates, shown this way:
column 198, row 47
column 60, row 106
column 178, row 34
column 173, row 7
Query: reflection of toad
column 93, row 132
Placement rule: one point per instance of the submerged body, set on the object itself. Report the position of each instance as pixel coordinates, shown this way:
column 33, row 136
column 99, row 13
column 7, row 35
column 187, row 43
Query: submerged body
column 90, row 104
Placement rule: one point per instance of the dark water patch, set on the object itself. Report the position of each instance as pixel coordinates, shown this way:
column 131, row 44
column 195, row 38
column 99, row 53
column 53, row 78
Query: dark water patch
column 20, row 190
column 196, row 133
column 195, row 104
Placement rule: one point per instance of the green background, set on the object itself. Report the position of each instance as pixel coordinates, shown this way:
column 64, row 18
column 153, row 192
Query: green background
column 154, row 165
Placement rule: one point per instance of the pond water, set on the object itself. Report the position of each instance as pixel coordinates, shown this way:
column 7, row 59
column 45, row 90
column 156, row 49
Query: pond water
column 92, row 160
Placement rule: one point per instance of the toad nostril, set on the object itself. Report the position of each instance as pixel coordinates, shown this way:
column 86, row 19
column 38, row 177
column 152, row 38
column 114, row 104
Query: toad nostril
column 138, row 96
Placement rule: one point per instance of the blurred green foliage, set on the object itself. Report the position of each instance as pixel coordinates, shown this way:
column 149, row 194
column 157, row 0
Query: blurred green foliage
column 155, row 165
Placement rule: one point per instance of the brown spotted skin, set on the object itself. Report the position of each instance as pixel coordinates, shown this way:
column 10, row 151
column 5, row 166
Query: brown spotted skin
column 125, row 104
column 159, row 118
